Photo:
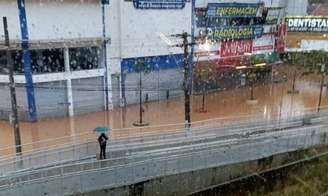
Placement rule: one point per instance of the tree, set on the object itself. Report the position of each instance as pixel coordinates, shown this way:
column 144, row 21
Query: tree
column 318, row 65
column 296, row 59
column 205, row 75
column 313, row 62
column 142, row 68
column 251, row 78
column 251, row 72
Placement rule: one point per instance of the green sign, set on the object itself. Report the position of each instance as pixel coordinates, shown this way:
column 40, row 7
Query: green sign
column 238, row 32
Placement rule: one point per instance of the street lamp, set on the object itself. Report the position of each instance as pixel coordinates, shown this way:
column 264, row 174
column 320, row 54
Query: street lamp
column 206, row 46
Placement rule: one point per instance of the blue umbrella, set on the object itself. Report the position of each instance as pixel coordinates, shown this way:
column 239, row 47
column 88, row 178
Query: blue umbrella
column 102, row 129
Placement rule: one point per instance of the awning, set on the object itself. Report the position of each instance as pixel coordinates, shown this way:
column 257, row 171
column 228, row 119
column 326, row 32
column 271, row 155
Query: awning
column 56, row 43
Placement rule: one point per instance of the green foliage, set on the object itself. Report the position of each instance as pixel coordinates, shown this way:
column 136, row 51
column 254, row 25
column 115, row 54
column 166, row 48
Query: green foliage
column 205, row 74
column 296, row 58
column 255, row 59
column 251, row 76
column 312, row 61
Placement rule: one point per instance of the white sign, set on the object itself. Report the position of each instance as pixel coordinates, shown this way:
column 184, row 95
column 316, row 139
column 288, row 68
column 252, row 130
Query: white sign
column 264, row 44
column 314, row 45
column 307, row 24
column 204, row 52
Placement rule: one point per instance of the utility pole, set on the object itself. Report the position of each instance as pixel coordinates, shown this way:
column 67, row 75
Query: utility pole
column 14, row 112
column 186, row 78
column 321, row 85
column 140, row 99
column 142, row 69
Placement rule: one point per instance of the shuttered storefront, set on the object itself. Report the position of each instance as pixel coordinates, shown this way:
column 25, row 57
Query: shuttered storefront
column 88, row 95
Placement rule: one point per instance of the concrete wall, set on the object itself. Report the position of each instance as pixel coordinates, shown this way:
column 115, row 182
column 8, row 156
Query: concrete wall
column 195, row 181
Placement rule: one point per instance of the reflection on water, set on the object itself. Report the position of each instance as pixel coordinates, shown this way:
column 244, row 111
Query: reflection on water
column 272, row 100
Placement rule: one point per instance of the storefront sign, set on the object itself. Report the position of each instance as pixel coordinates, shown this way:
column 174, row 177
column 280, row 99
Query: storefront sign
column 273, row 16
column 159, row 4
column 234, row 48
column 264, row 44
column 203, row 52
column 233, row 10
column 307, row 24
column 235, row 32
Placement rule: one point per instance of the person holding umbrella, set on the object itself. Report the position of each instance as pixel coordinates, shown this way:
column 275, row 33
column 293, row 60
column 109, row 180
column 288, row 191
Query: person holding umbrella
column 102, row 139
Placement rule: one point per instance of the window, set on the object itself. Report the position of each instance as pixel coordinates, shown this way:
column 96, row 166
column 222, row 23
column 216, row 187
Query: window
column 3, row 62
column 16, row 58
column 47, row 60
column 84, row 58
column 42, row 60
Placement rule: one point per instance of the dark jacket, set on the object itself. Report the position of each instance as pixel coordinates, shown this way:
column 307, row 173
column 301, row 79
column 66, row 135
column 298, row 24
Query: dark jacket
column 102, row 139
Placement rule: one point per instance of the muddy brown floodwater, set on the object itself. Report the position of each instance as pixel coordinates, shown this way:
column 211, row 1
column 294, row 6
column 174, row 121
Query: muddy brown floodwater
column 273, row 100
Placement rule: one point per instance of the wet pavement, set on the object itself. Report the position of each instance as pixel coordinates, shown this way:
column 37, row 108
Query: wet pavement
column 272, row 100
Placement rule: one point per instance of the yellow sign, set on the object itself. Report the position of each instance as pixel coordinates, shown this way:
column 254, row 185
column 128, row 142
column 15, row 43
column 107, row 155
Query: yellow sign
column 232, row 11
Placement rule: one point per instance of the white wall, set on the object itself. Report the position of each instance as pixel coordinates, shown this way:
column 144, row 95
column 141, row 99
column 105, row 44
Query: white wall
column 63, row 19
column 135, row 32
column 9, row 9
column 297, row 7
column 140, row 29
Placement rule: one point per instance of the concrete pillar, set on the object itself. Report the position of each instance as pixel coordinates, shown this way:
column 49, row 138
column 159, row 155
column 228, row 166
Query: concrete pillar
column 68, row 83
column 27, row 61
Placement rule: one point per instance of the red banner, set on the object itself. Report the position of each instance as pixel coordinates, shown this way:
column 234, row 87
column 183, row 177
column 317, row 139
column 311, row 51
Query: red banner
column 235, row 48
column 280, row 41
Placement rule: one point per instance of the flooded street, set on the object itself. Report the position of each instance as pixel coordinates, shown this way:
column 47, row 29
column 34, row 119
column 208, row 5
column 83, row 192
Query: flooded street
column 272, row 100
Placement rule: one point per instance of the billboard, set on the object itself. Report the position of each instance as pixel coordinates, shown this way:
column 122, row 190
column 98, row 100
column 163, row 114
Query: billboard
column 307, row 23
column 234, row 10
column 206, row 52
column 264, row 44
column 235, row 32
column 159, row 4
column 273, row 16
column 233, row 48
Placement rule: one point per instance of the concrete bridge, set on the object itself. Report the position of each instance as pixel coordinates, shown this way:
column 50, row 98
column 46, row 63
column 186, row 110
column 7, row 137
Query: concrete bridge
column 178, row 163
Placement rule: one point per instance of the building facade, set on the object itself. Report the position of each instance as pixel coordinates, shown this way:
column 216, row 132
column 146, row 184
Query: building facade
column 308, row 27
column 74, row 57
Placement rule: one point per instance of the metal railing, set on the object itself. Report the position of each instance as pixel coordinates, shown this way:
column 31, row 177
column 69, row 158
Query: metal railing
column 124, row 147
column 7, row 152
column 84, row 177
